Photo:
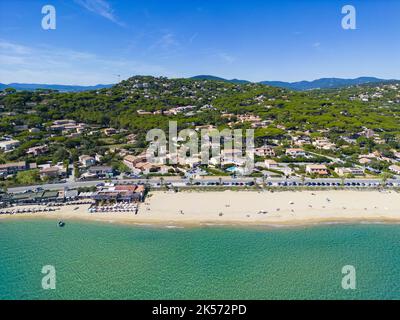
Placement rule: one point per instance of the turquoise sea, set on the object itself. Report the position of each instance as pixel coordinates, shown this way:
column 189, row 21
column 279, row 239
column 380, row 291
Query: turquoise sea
column 105, row 261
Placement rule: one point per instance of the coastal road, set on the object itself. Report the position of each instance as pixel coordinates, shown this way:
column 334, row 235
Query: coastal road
column 208, row 181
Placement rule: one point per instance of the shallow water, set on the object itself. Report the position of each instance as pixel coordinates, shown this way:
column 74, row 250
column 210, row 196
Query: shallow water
column 105, row 261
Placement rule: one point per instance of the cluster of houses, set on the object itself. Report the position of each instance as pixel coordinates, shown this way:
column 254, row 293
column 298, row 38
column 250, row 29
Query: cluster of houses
column 229, row 160
column 68, row 127
column 8, row 170
column 377, row 92
column 365, row 159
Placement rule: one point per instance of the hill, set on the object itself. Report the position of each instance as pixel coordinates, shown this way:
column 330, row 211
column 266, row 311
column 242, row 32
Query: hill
column 324, row 83
column 209, row 77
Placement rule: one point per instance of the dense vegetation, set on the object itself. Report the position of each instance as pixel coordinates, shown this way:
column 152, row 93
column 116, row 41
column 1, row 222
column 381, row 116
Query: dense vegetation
column 331, row 113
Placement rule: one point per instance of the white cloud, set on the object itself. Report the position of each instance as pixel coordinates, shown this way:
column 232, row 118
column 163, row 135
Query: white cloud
column 100, row 7
column 166, row 42
column 13, row 48
column 64, row 66
column 226, row 57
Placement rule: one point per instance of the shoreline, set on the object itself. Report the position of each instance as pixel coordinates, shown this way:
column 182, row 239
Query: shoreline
column 191, row 225
column 263, row 209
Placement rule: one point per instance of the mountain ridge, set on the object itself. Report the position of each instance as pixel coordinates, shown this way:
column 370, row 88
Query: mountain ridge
column 325, row 83
column 322, row 83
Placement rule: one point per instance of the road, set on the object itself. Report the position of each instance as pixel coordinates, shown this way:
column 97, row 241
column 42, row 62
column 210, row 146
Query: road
column 177, row 181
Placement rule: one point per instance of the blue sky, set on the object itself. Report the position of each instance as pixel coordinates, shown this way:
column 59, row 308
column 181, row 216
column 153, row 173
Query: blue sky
column 288, row 40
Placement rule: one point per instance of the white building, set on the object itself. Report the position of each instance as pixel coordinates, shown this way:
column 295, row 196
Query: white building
column 265, row 151
column 87, row 161
column 271, row 164
column 349, row 171
column 9, row 145
column 319, row 169
column 295, row 152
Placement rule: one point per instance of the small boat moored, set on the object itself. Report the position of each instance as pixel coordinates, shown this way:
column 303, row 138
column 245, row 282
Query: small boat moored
column 61, row 224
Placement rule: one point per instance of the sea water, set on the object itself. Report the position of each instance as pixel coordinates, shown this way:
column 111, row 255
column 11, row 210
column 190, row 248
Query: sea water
column 107, row 261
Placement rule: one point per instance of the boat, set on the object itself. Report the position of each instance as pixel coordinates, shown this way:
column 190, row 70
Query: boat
column 61, row 224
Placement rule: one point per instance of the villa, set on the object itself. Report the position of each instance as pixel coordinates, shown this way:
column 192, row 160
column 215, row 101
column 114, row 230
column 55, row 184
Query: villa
column 364, row 161
column 13, row 167
column 349, row 171
column 231, row 153
column 9, row 145
column 324, row 144
column 319, row 169
column 102, row 171
column 249, row 118
column 295, row 152
column 265, row 151
column 130, row 161
column 87, row 161
column 109, row 131
column 271, row 164
column 35, row 151
column 50, row 172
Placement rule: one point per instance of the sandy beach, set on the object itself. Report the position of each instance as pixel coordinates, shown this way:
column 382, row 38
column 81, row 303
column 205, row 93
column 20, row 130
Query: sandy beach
column 244, row 208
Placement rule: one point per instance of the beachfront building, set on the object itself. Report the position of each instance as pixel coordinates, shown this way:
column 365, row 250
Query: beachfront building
column 350, row 171
column 120, row 193
column 40, row 197
column 70, row 195
column 318, row 169
column 271, row 164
